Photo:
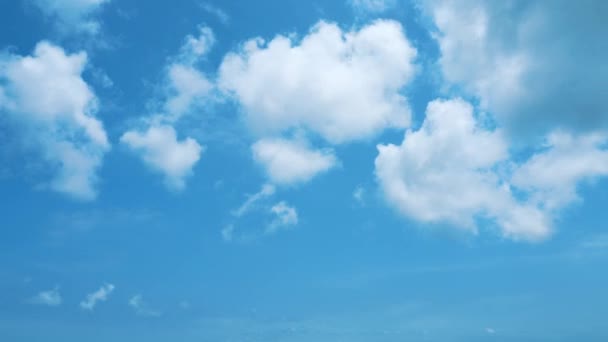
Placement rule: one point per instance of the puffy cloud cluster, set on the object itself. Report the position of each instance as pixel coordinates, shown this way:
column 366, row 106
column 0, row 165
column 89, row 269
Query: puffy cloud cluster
column 339, row 85
column 454, row 170
column 535, row 65
column 156, row 141
column 46, row 96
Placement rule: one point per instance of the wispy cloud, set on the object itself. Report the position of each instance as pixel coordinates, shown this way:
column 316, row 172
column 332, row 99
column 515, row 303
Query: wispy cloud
column 48, row 298
column 141, row 308
column 359, row 195
column 266, row 191
column 100, row 295
column 219, row 13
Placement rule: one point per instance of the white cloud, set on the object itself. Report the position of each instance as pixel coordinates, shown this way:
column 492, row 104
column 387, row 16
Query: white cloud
column 157, row 142
column 266, row 191
column 187, row 85
column 219, row 13
column 506, row 54
column 163, row 152
column 47, row 97
column 342, row 85
column 291, row 162
column 553, row 174
column 359, row 194
column 449, row 172
column 48, row 298
column 73, row 15
column 374, row 6
column 100, row 295
column 285, row 217
column 141, row 308
column 195, row 48
column 454, row 170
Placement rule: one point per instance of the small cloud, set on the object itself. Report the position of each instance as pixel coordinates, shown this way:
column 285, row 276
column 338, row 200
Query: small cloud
column 266, row 191
column 359, row 194
column 286, row 217
column 228, row 233
column 48, row 298
column 141, row 308
column 100, row 295
column 288, row 162
column 490, row 331
column 219, row 13
column 372, row 6
column 162, row 151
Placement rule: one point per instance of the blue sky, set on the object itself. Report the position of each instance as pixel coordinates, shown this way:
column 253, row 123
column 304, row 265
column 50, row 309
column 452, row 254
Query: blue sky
column 359, row 170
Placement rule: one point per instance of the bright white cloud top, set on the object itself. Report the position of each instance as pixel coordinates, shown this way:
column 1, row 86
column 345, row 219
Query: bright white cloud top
column 291, row 162
column 47, row 98
column 341, row 85
column 448, row 171
column 454, row 170
column 100, row 295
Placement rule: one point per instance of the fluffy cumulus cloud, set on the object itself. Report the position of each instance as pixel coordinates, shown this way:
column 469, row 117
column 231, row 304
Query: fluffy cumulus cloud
column 156, row 141
column 73, row 15
column 455, row 170
column 291, row 162
column 46, row 96
column 447, row 172
column 341, row 85
column 163, row 152
column 533, row 64
column 48, row 298
column 100, row 295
